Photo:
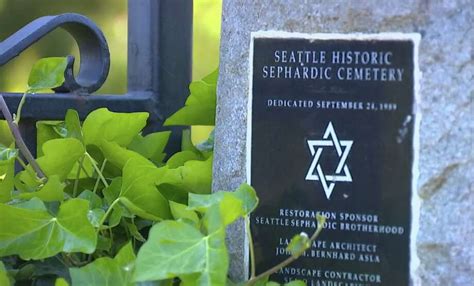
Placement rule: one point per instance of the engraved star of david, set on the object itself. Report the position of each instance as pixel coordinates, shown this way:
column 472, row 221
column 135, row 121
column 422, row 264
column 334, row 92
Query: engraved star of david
column 315, row 172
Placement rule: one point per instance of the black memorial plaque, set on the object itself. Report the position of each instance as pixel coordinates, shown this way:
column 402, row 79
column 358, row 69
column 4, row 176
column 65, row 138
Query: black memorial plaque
column 331, row 132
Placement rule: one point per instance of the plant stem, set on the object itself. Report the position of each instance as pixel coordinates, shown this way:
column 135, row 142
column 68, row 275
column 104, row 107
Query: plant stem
column 18, row 139
column 99, row 172
column 23, row 164
column 252, row 250
column 20, row 107
column 98, row 178
column 109, row 210
column 76, row 182
column 286, row 262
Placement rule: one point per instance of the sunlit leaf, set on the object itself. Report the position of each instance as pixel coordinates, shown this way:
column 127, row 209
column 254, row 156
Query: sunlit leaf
column 6, row 137
column 249, row 198
column 152, row 146
column 61, row 282
column 193, row 177
column 200, row 107
column 226, row 211
column 202, row 202
column 118, row 155
column 47, row 73
column 245, row 193
column 73, row 125
column 178, row 159
column 102, row 124
column 94, row 200
column 45, row 131
column 52, row 191
column 139, row 193
column 299, row 244
column 95, row 216
column 60, row 156
column 178, row 249
column 180, row 211
column 7, row 172
column 4, row 280
column 36, row 234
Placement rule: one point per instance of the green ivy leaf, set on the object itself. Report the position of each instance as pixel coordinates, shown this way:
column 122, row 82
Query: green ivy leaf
column 118, row 155
column 35, row 234
column 152, row 146
column 33, row 204
column 193, row 177
column 245, row 193
column 7, row 172
column 95, row 202
column 60, row 155
column 52, row 191
column 200, row 107
column 47, row 73
column 180, row 158
column 175, row 248
column 102, row 124
column 223, row 208
column 248, row 196
column 47, row 130
column 223, row 213
column 61, row 282
column 180, row 211
column 73, row 125
column 299, row 244
column 139, row 193
column 95, row 216
column 7, row 153
column 4, row 280
column 112, row 192
column 202, row 203
column 6, row 137
column 107, row 271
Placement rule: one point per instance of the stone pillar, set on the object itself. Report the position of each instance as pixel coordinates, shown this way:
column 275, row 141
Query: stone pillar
column 446, row 163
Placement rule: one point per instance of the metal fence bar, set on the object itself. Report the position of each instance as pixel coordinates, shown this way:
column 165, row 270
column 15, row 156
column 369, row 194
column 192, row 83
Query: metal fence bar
column 159, row 71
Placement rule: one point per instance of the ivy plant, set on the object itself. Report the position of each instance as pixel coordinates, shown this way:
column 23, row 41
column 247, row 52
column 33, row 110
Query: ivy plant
column 102, row 204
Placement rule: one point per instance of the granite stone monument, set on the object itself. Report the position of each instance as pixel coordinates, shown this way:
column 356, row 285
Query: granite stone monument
column 314, row 131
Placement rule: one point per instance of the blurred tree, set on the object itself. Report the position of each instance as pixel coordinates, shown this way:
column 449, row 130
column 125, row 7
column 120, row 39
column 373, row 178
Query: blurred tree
column 111, row 17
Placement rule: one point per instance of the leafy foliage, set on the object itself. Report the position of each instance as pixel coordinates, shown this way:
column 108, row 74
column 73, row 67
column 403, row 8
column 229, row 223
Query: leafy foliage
column 107, row 271
column 46, row 74
column 109, row 192
column 200, row 107
column 178, row 249
column 33, row 233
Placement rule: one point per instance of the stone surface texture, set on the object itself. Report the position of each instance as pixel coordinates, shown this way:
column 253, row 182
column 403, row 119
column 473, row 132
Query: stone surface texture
column 446, row 183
